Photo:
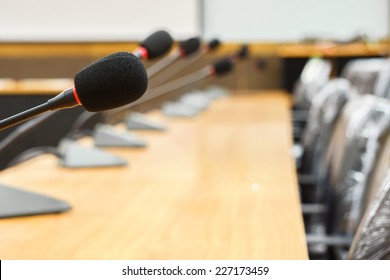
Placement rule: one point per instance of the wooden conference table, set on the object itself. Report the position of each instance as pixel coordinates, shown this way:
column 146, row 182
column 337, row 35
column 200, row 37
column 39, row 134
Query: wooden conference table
column 221, row 185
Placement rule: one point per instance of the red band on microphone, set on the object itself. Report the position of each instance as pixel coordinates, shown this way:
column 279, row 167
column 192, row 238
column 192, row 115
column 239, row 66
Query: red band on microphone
column 143, row 52
column 76, row 96
column 182, row 53
column 211, row 70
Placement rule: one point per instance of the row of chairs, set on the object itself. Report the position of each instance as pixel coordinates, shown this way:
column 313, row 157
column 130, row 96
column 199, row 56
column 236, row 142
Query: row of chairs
column 343, row 170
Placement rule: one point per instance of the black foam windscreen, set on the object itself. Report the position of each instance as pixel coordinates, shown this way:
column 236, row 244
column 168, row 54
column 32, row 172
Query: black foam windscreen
column 110, row 82
column 189, row 46
column 243, row 52
column 214, row 43
column 157, row 44
column 223, row 66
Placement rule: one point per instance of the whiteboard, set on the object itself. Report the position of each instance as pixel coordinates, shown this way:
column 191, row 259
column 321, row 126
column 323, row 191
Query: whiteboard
column 289, row 20
column 96, row 20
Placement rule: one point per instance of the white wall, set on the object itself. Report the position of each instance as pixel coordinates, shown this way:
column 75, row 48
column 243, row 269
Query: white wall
column 286, row 20
column 229, row 20
column 95, row 20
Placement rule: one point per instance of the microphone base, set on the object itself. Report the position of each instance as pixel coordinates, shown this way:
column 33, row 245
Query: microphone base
column 18, row 203
column 75, row 155
column 177, row 109
column 106, row 136
column 137, row 121
column 197, row 99
column 215, row 92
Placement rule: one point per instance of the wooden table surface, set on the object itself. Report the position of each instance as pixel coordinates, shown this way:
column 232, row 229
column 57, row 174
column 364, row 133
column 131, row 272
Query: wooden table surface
column 34, row 86
column 221, row 185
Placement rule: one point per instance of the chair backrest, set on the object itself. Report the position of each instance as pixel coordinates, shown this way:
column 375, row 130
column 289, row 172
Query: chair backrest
column 351, row 158
column 382, row 165
column 365, row 75
column 314, row 76
column 324, row 111
column 359, row 162
column 382, row 84
column 333, row 168
column 372, row 239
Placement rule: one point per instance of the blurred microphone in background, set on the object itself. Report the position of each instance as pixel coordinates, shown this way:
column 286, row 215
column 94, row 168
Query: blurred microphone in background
column 154, row 46
column 212, row 45
column 217, row 69
column 184, row 49
column 154, row 97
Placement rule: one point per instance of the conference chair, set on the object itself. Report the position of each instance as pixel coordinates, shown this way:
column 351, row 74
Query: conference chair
column 332, row 168
column 322, row 117
column 324, row 111
column 365, row 73
column 314, row 76
column 382, row 83
column 352, row 157
column 372, row 239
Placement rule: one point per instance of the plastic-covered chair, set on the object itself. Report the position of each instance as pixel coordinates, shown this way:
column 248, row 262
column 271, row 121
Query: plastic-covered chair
column 364, row 75
column 382, row 84
column 314, row 76
column 351, row 158
column 372, row 239
column 325, row 109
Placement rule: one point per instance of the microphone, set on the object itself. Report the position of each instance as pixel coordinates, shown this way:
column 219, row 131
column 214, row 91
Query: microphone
column 217, row 69
column 189, row 46
column 209, row 47
column 241, row 54
column 156, row 45
column 221, row 67
column 213, row 44
column 110, row 82
column 184, row 49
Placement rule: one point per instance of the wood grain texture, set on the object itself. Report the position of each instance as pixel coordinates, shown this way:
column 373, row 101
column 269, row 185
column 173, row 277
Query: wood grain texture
column 221, row 185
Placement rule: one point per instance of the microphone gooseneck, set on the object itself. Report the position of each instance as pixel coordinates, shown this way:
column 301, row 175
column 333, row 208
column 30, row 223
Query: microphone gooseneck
column 23, row 116
column 210, row 46
column 219, row 68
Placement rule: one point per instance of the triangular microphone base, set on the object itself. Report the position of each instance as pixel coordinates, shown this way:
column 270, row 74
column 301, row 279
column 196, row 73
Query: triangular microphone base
column 176, row 109
column 214, row 92
column 74, row 155
column 137, row 121
column 17, row 203
column 105, row 136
